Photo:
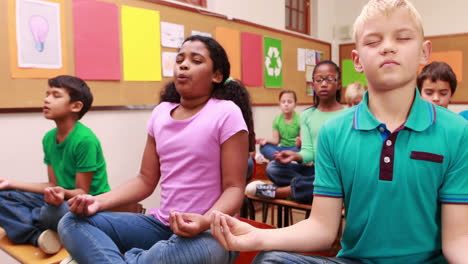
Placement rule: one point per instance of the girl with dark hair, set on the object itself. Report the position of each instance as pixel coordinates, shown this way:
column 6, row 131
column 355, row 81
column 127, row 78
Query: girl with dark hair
column 196, row 150
column 292, row 172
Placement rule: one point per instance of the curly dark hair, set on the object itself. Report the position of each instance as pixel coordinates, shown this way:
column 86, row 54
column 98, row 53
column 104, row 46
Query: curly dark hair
column 232, row 90
column 337, row 68
column 76, row 88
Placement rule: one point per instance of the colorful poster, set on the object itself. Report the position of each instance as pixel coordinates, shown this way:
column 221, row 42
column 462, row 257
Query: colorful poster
column 141, row 44
column 318, row 56
column 454, row 58
column 38, row 34
column 349, row 74
column 230, row 40
column 172, row 35
column 251, row 48
column 310, row 57
column 309, row 72
column 301, row 58
column 36, row 30
column 309, row 88
column 273, row 65
column 98, row 59
column 168, row 61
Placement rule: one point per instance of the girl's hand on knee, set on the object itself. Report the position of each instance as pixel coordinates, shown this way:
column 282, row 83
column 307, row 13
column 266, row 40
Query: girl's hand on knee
column 261, row 141
column 233, row 234
column 187, row 224
column 285, row 156
column 84, row 205
column 54, row 195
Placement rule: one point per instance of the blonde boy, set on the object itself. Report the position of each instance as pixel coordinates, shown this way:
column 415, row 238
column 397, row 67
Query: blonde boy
column 397, row 162
column 354, row 93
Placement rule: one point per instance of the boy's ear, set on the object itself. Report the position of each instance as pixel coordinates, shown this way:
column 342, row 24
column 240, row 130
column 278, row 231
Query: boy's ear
column 76, row 106
column 217, row 76
column 425, row 52
column 357, row 61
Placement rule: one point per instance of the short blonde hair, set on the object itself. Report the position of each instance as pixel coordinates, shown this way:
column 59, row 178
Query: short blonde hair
column 354, row 90
column 385, row 7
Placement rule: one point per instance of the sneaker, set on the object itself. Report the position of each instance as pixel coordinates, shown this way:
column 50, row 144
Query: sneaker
column 68, row 260
column 49, row 242
column 261, row 189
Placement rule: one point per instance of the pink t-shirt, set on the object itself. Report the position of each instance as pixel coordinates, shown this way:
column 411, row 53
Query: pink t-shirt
column 190, row 155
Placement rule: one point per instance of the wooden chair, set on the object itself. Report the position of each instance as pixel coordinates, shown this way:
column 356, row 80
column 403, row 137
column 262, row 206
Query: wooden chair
column 283, row 208
column 29, row 254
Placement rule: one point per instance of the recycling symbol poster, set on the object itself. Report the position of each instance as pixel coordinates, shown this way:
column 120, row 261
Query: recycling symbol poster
column 273, row 65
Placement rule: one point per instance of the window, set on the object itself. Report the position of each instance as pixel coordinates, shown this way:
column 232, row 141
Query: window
column 297, row 15
column 201, row 3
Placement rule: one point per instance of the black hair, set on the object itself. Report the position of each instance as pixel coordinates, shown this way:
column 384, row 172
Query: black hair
column 76, row 88
column 337, row 68
column 288, row 91
column 232, row 90
column 435, row 71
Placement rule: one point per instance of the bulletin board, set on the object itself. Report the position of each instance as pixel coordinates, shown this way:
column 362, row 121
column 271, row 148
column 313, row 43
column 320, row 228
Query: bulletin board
column 452, row 49
column 28, row 93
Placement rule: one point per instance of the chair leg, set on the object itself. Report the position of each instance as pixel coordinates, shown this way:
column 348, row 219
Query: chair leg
column 251, row 210
column 280, row 216
column 244, row 209
column 264, row 212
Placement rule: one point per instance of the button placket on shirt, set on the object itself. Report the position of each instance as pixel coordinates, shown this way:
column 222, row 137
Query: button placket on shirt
column 387, row 155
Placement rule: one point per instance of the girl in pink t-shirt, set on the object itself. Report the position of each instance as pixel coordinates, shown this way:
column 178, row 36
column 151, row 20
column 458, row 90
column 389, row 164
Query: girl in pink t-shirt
column 196, row 150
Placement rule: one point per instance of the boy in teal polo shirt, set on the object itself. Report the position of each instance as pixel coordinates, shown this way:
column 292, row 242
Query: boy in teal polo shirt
column 397, row 162
column 30, row 212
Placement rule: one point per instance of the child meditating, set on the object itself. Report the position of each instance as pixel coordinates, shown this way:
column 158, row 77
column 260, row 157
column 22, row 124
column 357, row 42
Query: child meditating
column 437, row 83
column 286, row 127
column 30, row 212
column 196, row 149
column 291, row 173
column 397, row 162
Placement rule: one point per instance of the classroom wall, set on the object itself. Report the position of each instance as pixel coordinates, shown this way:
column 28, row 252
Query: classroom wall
column 123, row 146
column 123, row 133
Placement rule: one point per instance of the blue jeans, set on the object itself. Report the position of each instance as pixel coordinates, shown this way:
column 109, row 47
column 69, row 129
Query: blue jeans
column 299, row 176
column 102, row 237
column 268, row 150
column 294, row 258
column 25, row 215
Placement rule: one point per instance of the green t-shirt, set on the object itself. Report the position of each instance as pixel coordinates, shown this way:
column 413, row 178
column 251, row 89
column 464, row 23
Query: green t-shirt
column 287, row 132
column 312, row 120
column 79, row 152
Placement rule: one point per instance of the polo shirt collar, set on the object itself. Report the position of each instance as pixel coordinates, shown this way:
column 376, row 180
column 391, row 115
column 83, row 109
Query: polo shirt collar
column 422, row 115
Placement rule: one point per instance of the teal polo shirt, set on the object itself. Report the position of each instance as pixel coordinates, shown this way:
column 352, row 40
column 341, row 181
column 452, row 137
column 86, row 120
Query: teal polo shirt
column 393, row 183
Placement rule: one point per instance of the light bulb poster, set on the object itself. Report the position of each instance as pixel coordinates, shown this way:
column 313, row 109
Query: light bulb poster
column 38, row 34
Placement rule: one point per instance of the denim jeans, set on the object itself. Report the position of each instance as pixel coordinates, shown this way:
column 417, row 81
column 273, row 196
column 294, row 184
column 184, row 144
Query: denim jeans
column 299, row 176
column 25, row 215
column 294, row 258
column 102, row 237
column 268, row 150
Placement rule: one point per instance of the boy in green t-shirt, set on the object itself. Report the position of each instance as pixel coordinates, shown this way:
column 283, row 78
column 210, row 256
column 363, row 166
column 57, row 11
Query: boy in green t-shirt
column 30, row 212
